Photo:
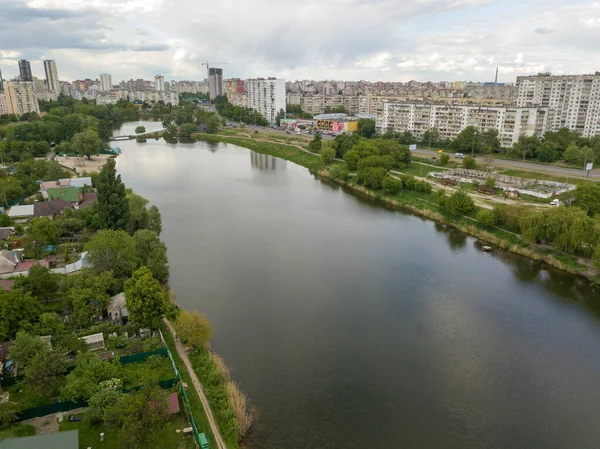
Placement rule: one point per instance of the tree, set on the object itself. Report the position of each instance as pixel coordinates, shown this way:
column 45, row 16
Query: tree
column 316, row 144
column 42, row 232
column 587, row 197
column 372, row 177
column 213, row 124
column 49, row 324
column 444, row 158
column 138, row 417
column 490, row 182
column 193, row 328
column 486, row 217
column 186, row 130
column 469, row 163
column 43, row 371
column 392, row 186
column 40, row 282
column 26, row 347
column 466, row 141
column 87, row 377
column 366, row 127
column 573, row 154
column 155, row 221
column 140, row 129
column 327, row 154
column 9, row 412
column 88, row 306
column 100, row 403
column 152, row 253
column 112, row 204
column 138, row 214
column 18, row 311
column 145, row 299
column 460, row 203
column 489, row 142
column 87, row 143
column 351, row 157
column 112, row 251
column 402, row 156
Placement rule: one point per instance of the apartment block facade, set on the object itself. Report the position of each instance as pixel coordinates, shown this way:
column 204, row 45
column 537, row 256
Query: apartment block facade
column 574, row 100
column 105, row 82
column 266, row 96
column 450, row 120
column 51, row 76
column 21, row 97
column 159, row 83
column 3, row 103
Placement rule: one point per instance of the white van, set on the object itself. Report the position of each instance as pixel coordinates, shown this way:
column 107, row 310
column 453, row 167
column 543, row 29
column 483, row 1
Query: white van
column 459, row 155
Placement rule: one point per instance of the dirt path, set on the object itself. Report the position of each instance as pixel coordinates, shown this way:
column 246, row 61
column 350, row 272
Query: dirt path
column 198, row 386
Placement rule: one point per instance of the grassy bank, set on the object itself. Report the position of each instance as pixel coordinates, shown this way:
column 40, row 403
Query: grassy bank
column 421, row 204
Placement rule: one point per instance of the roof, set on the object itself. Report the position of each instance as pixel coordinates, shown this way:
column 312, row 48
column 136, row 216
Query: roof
column 70, row 194
column 60, row 440
column 50, row 208
column 8, row 261
column 6, row 232
column 88, row 200
column 67, row 182
column 80, row 182
column 333, row 116
column 6, row 284
column 26, row 266
column 25, row 210
column 173, row 402
column 94, row 338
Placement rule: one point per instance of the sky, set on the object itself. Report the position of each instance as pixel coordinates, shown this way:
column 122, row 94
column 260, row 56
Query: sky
column 373, row 40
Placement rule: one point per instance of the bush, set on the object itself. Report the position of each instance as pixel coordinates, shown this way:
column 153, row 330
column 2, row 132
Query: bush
column 386, row 162
column 327, row 154
column 422, row 186
column 469, row 162
column 490, row 182
column 338, row 172
column 371, row 177
column 351, row 157
column 23, row 430
column 193, row 328
column 444, row 159
column 460, row 203
column 486, row 217
column 392, row 186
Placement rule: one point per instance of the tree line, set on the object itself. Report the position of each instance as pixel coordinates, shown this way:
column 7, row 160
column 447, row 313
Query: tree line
column 239, row 114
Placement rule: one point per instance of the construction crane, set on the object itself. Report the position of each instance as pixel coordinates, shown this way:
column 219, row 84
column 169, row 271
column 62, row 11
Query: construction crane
column 207, row 64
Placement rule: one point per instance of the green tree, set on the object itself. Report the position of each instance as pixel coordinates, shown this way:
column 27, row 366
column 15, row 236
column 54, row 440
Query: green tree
column 43, row 371
column 573, row 154
column 100, row 403
column 366, row 127
column 490, row 182
column 193, row 328
column 88, row 306
column 49, row 324
column 469, row 163
column 40, row 282
column 444, row 159
column 352, row 157
column 186, row 130
column 135, row 421
column 486, row 217
column 146, row 301
column 213, row 124
column 327, row 154
column 155, row 220
column 112, row 251
column 338, row 172
column 467, row 140
column 112, row 203
column 26, row 347
column 9, row 412
column 392, row 186
column 42, row 232
column 460, row 203
column 87, row 377
column 87, row 143
column 138, row 214
column 18, row 311
column 172, row 129
column 140, row 129
column 152, row 253
column 316, row 144
column 372, row 177
column 587, row 197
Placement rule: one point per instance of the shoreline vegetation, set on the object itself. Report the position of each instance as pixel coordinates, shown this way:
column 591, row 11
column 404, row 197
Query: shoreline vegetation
column 414, row 203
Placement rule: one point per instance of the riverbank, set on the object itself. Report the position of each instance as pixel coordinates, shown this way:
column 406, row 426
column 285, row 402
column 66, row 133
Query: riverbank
column 417, row 204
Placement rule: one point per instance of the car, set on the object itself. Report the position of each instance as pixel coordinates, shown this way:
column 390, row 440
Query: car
column 555, row 202
column 299, row 133
column 459, row 155
column 287, row 132
column 440, row 151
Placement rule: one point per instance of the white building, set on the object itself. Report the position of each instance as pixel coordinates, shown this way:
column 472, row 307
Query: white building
column 105, row 82
column 144, row 95
column 159, row 83
column 450, row 120
column 21, row 97
column 573, row 100
column 266, row 96
column 3, row 103
column 51, row 76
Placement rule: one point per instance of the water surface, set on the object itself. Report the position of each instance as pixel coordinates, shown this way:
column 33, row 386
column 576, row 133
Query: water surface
column 350, row 325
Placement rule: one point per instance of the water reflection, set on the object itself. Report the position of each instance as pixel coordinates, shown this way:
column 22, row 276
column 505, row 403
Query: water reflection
column 266, row 162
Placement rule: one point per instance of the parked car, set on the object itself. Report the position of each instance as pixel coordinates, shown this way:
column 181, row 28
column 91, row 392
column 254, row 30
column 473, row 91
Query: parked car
column 299, row 133
column 440, row 151
column 555, row 202
column 287, row 132
column 459, row 155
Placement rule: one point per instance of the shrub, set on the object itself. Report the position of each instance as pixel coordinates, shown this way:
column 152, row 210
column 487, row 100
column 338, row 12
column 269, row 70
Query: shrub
column 469, row 162
column 193, row 328
column 486, row 217
column 490, row 182
column 371, row 177
column 422, row 186
column 392, row 186
column 351, row 157
column 444, row 159
column 327, row 154
column 338, row 172
column 460, row 203
column 23, row 430
column 386, row 162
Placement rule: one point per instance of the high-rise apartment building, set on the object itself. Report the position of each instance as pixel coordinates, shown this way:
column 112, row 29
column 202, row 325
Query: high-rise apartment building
column 159, row 83
column 450, row 120
column 3, row 103
column 105, row 82
column 21, row 97
column 25, row 70
column 573, row 100
column 1, row 82
column 215, row 82
column 51, row 76
column 266, row 96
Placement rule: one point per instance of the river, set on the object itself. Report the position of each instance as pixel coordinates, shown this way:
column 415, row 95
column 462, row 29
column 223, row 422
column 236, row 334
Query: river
column 350, row 325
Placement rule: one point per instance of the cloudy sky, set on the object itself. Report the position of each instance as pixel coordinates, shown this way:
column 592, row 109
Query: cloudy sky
column 316, row 39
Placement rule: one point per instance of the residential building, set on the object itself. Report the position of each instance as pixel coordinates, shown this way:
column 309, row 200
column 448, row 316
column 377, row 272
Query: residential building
column 105, row 82
column 573, row 100
column 25, row 70
column 450, row 120
column 266, row 96
column 159, row 83
column 51, row 76
column 21, row 97
column 1, row 82
column 234, row 86
column 3, row 103
column 238, row 99
column 138, row 95
column 215, row 82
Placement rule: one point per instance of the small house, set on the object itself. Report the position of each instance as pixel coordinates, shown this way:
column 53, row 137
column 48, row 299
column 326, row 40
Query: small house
column 117, row 309
column 6, row 233
column 448, row 182
column 50, row 209
column 95, row 341
column 513, row 194
column 485, row 190
column 21, row 213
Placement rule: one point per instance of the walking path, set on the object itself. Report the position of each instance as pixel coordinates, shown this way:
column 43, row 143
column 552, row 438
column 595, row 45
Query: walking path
column 197, row 385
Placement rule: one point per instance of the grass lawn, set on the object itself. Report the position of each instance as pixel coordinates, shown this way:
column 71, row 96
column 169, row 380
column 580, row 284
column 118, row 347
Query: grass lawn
column 27, row 399
column 89, row 435
column 197, row 409
column 544, row 176
column 136, row 374
column 16, row 430
column 421, row 170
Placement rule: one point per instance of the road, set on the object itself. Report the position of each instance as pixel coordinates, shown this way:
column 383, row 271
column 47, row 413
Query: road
column 198, row 386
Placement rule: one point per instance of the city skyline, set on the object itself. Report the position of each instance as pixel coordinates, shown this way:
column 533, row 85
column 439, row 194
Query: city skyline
column 376, row 41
